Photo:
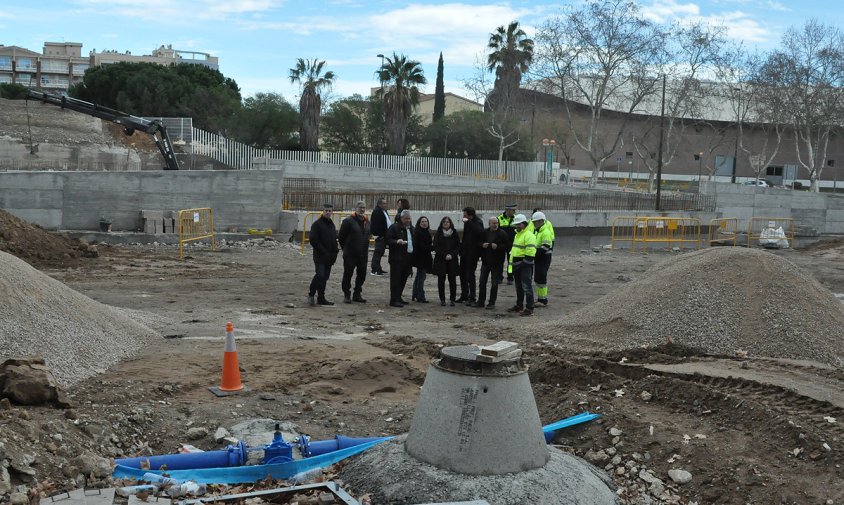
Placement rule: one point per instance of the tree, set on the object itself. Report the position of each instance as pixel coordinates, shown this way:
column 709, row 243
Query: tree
column 11, row 91
column 348, row 126
column 600, row 56
column 266, row 121
column 148, row 89
column 404, row 76
column 691, row 50
column 439, row 93
column 463, row 135
column 807, row 77
column 308, row 73
column 510, row 57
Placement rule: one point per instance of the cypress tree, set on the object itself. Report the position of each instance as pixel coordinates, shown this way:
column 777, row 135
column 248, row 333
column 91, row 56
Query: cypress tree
column 439, row 92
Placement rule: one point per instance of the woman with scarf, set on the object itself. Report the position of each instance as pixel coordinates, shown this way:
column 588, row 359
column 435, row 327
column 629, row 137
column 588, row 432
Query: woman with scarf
column 421, row 257
column 446, row 262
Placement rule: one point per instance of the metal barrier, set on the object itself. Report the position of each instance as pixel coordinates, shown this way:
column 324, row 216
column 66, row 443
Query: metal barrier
column 757, row 224
column 195, row 224
column 337, row 217
column 660, row 229
column 723, row 231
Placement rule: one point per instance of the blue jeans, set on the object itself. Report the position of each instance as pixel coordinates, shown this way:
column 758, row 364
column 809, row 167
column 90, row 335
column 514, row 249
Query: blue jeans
column 419, row 284
column 523, row 275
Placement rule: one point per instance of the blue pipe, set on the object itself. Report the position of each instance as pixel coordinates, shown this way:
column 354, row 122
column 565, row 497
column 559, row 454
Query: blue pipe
column 309, row 449
column 228, row 457
column 550, row 430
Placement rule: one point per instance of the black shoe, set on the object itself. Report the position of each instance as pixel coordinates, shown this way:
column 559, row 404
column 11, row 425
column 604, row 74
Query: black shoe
column 442, row 302
column 311, row 300
column 423, row 301
column 490, row 306
column 527, row 312
column 460, row 300
column 478, row 305
column 324, row 302
column 396, row 304
column 509, row 282
column 543, row 301
column 404, row 302
column 515, row 308
column 358, row 298
column 347, row 299
column 451, row 303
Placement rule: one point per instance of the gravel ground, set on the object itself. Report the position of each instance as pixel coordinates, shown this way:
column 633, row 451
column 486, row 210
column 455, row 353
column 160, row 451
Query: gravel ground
column 718, row 300
column 79, row 337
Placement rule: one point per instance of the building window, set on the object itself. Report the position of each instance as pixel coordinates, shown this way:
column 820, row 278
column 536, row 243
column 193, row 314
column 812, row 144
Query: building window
column 773, row 171
column 5, row 62
column 25, row 64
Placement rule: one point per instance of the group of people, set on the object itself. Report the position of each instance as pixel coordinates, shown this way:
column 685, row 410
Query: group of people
column 524, row 245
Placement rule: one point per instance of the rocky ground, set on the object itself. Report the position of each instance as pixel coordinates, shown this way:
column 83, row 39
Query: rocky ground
column 678, row 426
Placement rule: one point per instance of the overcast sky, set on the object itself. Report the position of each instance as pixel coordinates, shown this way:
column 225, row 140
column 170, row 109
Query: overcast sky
column 257, row 41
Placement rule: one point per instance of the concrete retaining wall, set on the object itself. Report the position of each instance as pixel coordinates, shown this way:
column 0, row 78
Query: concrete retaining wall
column 77, row 200
column 820, row 213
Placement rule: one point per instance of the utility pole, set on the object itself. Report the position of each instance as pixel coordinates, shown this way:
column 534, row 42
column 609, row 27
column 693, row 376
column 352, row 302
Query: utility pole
column 659, row 155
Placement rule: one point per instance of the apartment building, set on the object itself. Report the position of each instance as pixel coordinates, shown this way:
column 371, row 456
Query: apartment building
column 61, row 64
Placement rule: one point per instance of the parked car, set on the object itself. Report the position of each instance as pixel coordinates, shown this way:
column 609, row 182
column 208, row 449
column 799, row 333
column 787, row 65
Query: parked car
column 760, row 183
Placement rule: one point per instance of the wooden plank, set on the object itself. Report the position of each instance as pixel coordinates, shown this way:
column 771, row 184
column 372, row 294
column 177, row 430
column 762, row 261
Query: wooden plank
column 498, row 348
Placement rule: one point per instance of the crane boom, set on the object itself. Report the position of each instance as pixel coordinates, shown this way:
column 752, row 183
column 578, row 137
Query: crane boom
column 130, row 123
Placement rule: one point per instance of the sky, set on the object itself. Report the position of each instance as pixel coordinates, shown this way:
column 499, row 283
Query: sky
column 258, row 41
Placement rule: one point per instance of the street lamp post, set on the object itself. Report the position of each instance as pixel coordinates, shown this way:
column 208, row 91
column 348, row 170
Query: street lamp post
column 549, row 158
column 383, row 111
column 738, row 132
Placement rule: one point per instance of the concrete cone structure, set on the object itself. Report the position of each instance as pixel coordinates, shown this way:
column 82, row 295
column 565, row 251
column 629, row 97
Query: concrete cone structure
column 476, row 434
column 472, row 412
column 230, row 383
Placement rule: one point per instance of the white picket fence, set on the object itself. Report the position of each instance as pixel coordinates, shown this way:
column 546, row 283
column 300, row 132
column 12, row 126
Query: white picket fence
column 243, row 157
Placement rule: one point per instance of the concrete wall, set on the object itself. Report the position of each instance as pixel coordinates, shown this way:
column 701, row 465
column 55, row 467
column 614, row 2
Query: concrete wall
column 813, row 213
column 77, row 200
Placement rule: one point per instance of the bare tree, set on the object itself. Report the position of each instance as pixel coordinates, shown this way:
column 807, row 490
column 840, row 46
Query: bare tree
column 692, row 51
column 504, row 124
column 807, row 77
column 601, row 56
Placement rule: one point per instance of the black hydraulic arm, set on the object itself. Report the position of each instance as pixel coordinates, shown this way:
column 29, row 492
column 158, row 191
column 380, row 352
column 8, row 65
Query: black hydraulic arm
column 129, row 123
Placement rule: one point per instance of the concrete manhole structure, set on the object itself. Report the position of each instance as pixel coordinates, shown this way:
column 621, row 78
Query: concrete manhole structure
column 476, row 435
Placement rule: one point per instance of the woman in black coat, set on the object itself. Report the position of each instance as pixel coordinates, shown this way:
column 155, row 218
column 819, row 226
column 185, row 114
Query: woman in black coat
column 446, row 262
column 421, row 257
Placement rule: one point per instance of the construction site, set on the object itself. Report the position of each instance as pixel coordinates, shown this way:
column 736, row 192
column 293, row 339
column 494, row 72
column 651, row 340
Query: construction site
column 692, row 355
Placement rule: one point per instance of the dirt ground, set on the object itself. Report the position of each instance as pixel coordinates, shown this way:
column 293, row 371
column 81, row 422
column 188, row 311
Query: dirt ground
column 749, row 433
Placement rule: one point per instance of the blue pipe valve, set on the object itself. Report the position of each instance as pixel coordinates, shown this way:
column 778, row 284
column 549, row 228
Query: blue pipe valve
column 278, row 451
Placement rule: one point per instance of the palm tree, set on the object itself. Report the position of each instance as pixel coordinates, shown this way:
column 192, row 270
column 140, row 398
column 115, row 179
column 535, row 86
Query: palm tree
column 402, row 76
column 309, row 75
column 511, row 55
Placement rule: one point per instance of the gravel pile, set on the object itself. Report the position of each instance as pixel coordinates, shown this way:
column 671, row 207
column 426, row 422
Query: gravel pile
column 78, row 337
column 719, row 300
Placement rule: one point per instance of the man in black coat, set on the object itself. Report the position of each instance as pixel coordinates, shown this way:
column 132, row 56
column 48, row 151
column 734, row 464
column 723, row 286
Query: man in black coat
column 470, row 251
column 400, row 242
column 379, row 221
column 323, row 239
column 494, row 251
column 354, row 240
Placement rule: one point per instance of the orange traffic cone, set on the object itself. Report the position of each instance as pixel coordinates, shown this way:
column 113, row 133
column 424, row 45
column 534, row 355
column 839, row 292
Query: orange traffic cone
column 230, row 384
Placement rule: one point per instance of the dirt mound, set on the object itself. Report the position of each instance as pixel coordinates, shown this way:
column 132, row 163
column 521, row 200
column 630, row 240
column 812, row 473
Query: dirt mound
column 719, row 300
column 78, row 337
column 37, row 246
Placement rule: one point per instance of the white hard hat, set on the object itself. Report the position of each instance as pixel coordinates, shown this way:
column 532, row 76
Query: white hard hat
column 538, row 216
column 519, row 219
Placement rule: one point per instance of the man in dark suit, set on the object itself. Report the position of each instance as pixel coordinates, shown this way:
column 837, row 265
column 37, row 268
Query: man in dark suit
column 400, row 242
column 354, row 240
column 379, row 222
column 323, row 239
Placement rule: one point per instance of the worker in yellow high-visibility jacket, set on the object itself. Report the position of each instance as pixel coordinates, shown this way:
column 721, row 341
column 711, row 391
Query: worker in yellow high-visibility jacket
column 544, row 231
column 522, row 254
